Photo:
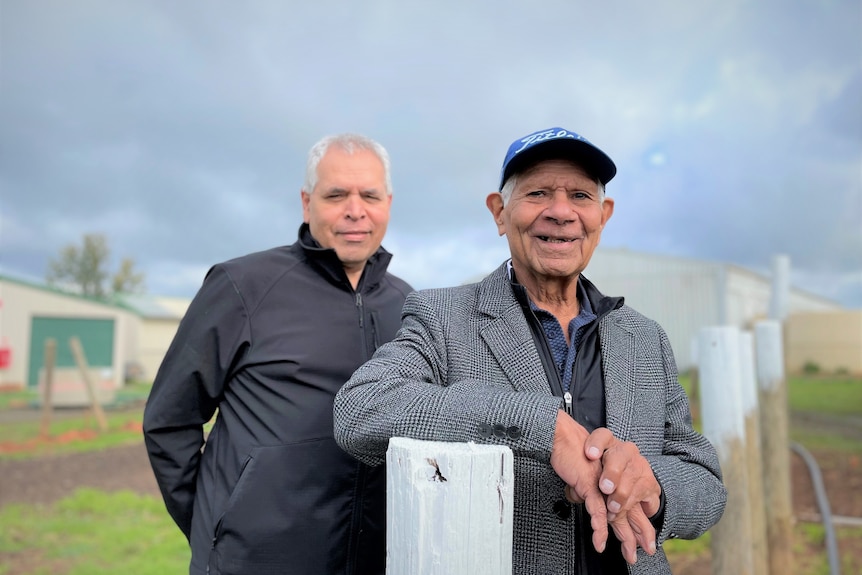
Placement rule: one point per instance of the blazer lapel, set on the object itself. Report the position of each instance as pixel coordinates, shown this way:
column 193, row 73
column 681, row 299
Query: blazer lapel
column 618, row 366
column 507, row 334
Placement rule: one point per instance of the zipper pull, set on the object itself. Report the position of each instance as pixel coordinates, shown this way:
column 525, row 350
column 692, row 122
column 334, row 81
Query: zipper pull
column 567, row 397
column 359, row 307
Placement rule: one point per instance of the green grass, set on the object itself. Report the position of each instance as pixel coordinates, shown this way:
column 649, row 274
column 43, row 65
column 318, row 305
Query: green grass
column 835, row 395
column 132, row 392
column 809, row 549
column 17, row 398
column 70, row 434
column 93, row 533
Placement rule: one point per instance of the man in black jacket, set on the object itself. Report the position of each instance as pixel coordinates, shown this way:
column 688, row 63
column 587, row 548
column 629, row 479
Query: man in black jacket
column 267, row 342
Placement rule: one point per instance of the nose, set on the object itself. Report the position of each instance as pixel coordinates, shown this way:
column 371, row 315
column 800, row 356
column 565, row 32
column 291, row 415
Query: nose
column 560, row 208
column 354, row 207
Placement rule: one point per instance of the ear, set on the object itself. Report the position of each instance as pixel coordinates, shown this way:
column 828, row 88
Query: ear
column 607, row 210
column 494, row 201
column 306, row 199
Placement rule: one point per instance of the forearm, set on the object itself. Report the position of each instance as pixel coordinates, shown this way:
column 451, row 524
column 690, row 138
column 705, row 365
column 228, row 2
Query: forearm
column 380, row 402
column 174, row 456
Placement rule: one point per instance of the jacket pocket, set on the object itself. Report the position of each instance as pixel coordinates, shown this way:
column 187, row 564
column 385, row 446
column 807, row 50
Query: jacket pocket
column 289, row 511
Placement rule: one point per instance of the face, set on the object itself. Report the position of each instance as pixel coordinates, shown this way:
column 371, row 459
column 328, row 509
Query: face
column 348, row 210
column 553, row 220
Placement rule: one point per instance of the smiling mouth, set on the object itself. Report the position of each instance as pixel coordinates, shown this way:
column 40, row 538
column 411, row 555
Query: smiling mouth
column 556, row 240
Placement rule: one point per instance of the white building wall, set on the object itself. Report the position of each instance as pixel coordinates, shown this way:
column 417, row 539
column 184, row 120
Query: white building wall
column 156, row 337
column 680, row 294
column 684, row 295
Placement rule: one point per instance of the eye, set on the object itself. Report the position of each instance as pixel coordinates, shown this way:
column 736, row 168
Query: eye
column 335, row 194
column 580, row 195
column 535, row 194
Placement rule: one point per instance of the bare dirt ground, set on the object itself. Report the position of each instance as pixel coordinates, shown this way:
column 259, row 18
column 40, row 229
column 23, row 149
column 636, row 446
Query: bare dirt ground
column 45, row 480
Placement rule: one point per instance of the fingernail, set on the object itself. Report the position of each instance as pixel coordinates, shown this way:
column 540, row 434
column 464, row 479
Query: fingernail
column 607, row 485
column 594, row 452
column 652, row 547
column 613, row 507
column 602, row 548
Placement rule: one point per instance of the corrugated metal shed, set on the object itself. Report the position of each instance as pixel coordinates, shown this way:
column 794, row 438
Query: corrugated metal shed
column 31, row 313
column 684, row 295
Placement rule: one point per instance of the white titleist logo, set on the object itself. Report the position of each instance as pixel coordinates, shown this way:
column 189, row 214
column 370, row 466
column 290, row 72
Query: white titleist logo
column 546, row 135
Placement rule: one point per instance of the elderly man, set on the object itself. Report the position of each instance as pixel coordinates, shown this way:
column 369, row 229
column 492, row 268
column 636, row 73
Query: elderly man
column 581, row 387
column 266, row 343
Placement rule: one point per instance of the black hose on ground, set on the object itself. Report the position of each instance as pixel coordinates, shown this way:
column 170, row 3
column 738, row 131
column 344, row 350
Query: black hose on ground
column 823, row 506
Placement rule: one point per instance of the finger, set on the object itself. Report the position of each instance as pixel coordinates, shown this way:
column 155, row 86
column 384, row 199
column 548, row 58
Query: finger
column 572, row 495
column 595, row 505
column 627, row 537
column 643, row 529
column 615, row 462
column 597, row 442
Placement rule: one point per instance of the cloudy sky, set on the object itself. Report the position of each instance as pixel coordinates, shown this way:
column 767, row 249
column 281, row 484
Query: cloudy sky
column 179, row 130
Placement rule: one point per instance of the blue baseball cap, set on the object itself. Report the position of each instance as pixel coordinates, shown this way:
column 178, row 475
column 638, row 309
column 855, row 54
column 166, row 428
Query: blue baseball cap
column 553, row 144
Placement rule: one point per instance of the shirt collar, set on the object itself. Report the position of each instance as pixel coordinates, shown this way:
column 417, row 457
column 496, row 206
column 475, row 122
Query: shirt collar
column 583, row 300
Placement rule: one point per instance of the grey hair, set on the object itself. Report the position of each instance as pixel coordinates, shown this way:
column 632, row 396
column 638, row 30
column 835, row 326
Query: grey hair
column 349, row 143
column 512, row 182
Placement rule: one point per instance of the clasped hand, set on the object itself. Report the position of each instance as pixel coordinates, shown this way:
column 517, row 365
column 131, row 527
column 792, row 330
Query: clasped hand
column 613, row 480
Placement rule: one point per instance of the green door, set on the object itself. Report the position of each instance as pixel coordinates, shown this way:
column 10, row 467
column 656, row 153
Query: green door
column 96, row 336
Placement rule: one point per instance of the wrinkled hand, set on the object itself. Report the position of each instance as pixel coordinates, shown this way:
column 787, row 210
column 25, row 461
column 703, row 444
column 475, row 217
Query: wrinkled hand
column 632, row 492
column 581, row 474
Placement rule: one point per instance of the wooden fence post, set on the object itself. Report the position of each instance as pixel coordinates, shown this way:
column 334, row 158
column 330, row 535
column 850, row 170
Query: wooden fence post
column 81, row 360
column 724, row 424
column 47, row 408
column 449, row 508
column 775, row 446
column 779, row 302
column 759, row 548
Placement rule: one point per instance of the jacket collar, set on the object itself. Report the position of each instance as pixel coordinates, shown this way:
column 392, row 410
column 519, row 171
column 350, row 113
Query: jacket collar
column 326, row 261
column 497, row 293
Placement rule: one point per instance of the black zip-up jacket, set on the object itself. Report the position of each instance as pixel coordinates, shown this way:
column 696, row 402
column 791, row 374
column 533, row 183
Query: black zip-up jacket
column 268, row 341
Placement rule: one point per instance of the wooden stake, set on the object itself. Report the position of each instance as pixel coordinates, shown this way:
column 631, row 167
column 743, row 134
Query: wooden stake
column 723, row 423
column 775, row 446
column 759, row 547
column 48, row 363
column 449, row 508
column 81, row 360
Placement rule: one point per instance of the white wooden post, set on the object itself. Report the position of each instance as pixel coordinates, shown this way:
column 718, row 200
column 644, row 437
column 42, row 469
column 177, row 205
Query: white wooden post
column 724, row 425
column 775, row 446
column 780, row 300
column 759, row 548
column 449, row 508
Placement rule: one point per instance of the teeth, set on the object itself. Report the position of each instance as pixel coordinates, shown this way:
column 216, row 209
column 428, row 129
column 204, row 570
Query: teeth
column 555, row 240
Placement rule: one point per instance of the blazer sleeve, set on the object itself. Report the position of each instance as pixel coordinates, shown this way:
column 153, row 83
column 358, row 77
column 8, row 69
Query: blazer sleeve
column 688, row 467
column 187, row 389
column 431, row 383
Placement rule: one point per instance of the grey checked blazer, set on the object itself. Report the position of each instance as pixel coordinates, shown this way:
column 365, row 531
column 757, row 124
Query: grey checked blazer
column 465, row 357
